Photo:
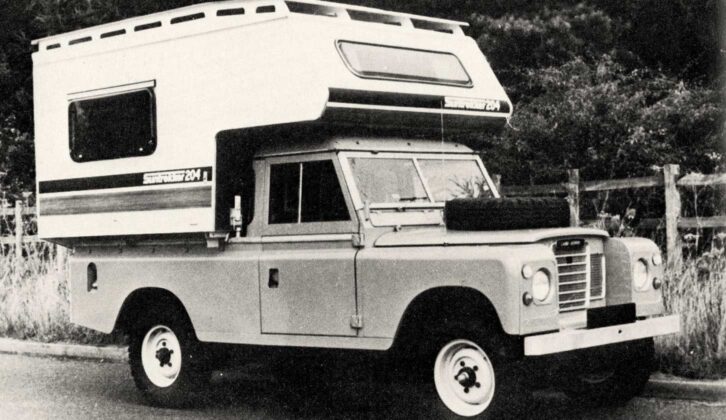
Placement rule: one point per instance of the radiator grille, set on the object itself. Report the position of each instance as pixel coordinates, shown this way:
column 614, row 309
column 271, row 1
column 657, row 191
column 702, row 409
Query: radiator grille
column 573, row 270
column 581, row 274
column 597, row 277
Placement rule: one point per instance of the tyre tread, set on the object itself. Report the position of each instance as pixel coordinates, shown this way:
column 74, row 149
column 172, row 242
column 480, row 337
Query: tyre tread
column 506, row 213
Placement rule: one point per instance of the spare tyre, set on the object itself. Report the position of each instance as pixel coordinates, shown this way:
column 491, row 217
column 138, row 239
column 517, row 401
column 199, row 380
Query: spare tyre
column 506, row 213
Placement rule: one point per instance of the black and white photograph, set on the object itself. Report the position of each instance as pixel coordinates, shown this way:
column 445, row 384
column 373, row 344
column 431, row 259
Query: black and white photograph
column 377, row 209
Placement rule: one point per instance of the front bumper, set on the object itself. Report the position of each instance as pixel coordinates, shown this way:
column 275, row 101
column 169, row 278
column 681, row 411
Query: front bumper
column 567, row 340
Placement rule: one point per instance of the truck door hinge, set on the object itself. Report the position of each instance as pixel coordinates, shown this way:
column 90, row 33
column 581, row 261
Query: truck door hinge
column 359, row 240
column 356, row 322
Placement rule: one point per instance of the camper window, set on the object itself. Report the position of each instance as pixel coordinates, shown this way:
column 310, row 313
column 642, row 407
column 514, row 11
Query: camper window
column 306, row 192
column 406, row 64
column 112, row 127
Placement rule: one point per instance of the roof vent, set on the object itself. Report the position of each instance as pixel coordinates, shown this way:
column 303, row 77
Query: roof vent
column 146, row 26
column 187, row 18
column 265, row 9
column 113, row 33
column 231, row 12
column 375, row 17
column 80, row 40
column 311, row 9
column 433, row 26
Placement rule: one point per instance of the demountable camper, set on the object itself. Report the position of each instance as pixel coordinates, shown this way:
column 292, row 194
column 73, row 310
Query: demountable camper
column 128, row 113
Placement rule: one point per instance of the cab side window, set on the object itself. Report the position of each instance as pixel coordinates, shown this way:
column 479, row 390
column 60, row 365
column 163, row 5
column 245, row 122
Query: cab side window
column 306, row 192
column 284, row 193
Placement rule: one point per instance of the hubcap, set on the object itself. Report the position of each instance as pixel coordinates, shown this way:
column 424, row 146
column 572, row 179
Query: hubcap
column 464, row 378
column 161, row 356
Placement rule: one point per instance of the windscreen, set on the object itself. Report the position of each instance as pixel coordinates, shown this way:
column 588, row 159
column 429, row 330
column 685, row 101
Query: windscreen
column 449, row 179
column 417, row 180
column 386, row 62
column 388, row 180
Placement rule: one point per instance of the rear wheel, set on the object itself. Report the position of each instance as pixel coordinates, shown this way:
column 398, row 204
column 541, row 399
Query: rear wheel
column 166, row 359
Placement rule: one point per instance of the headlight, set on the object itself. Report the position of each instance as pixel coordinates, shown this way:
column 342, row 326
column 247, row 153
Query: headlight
column 657, row 259
column 541, row 285
column 640, row 275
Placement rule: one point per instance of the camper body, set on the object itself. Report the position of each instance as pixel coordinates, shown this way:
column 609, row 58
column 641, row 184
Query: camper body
column 270, row 178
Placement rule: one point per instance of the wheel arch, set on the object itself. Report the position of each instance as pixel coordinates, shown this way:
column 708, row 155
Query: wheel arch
column 140, row 300
column 444, row 306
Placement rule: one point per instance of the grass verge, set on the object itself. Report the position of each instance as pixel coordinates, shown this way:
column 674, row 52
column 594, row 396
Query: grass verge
column 697, row 292
column 35, row 297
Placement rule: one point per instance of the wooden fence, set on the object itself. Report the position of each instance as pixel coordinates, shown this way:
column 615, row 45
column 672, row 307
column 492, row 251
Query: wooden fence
column 17, row 237
column 19, row 212
column 670, row 180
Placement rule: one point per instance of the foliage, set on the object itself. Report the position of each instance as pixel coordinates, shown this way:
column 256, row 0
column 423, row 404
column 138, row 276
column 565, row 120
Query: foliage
column 697, row 292
column 18, row 165
column 586, row 98
column 610, row 123
column 679, row 36
column 35, row 297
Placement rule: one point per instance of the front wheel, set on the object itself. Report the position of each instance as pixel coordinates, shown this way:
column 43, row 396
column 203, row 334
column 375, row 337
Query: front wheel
column 619, row 383
column 166, row 360
column 470, row 381
column 464, row 378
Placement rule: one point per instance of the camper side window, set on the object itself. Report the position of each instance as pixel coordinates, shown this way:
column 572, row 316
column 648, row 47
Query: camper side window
column 112, row 127
column 306, row 192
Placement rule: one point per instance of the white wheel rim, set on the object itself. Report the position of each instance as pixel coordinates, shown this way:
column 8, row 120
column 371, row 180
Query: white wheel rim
column 464, row 378
column 161, row 356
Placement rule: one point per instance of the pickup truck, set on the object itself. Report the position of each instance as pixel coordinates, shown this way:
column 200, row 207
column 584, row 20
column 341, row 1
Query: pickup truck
column 289, row 178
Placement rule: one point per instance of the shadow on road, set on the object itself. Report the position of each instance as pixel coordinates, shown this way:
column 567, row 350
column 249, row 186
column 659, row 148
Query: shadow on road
column 232, row 391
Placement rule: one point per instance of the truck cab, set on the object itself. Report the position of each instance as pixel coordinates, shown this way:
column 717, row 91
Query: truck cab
column 271, row 174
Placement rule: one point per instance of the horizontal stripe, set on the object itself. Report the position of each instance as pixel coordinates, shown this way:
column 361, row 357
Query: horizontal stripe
column 166, row 199
column 125, row 180
column 415, row 119
column 292, row 239
column 399, row 109
column 396, row 99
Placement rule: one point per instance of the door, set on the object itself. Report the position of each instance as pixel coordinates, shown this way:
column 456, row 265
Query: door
column 307, row 272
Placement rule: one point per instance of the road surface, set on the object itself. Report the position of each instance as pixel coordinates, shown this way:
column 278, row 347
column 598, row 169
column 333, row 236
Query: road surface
column 39, row 388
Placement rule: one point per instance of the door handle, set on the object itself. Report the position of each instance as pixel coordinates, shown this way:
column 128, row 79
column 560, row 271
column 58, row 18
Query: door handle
column 274, row 280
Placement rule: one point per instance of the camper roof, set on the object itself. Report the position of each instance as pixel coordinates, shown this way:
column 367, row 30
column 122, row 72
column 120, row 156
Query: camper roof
column 224, row 14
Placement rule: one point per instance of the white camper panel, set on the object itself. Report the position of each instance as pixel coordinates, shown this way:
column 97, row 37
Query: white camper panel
column 207, row 70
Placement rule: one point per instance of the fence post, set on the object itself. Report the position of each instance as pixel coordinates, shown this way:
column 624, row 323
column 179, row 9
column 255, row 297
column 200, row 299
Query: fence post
column 573, row 195
column 497, row 179
column 60, row 258
column 672, row 213
column 18, row 235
